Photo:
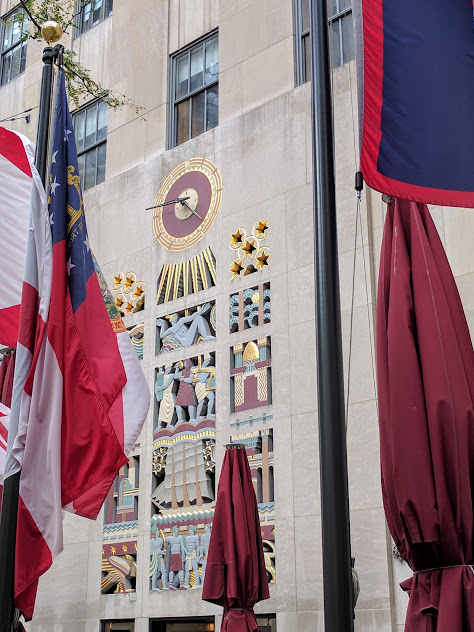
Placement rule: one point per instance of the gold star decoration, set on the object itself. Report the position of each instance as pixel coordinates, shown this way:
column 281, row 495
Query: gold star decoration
column 236, row 268
column 138, row 292
column 128, row 281
column 237, row 239
column 129, row 307
column 118, row 302
column 113, row 550
column 262, row 260
column 260, row 228
column 117, row 281
column 249, row 247
column 124, row 548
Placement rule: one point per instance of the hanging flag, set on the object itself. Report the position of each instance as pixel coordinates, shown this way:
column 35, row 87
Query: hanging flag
column 73, row 420
column 4, row 420
column 16, row 154
column 418, row 102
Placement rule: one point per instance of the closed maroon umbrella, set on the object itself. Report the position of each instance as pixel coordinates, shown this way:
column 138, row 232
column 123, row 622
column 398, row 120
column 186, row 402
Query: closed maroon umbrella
column 7, row 369
column 236, row 578
column 425, row 372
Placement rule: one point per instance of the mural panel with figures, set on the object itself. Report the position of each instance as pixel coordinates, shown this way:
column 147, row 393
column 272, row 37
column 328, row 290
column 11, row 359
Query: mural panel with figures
column 249, row 308
column 137, row 334
column 183, row 472
column 119, row 538
column 259, row 447
column 250, row 374
column 185, row 328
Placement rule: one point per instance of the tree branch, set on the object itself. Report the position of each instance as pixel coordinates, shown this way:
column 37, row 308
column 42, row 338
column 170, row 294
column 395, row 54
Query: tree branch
column 30, row 15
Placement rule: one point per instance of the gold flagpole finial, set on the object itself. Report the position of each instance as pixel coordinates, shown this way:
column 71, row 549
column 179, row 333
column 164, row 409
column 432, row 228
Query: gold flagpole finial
column 51, row 32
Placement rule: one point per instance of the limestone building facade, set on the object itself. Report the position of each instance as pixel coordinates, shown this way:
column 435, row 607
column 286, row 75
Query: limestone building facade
column 220, row 307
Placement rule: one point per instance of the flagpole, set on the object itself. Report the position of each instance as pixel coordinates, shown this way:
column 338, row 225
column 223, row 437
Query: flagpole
column 337, row 575
column 11, row 484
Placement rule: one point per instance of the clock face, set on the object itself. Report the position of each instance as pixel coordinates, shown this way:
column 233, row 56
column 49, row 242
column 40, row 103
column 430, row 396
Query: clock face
column 192, row 197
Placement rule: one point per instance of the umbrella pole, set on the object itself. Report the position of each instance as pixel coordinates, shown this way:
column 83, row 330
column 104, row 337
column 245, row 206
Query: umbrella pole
column 338, row 611
column 11, row 484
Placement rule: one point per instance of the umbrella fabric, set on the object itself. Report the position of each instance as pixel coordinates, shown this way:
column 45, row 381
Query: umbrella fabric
column 236, row 578
column 425, row 372
column 7, row 369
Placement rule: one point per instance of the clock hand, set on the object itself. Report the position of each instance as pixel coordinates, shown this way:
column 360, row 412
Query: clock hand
column 192, row 211
column 166, row 203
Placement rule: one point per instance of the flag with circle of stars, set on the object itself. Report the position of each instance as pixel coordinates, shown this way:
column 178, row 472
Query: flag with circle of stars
column 65, row 203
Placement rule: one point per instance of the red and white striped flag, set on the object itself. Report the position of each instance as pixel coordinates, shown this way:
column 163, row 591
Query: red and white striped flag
column 16, row 154
column 80, row 397
column 4, row 421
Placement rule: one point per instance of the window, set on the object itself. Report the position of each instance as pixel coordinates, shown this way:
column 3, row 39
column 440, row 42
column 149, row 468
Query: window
column 90, row 14
column 118, row 626
column 194, row 90
column 341, row 36
column 197, row 624
column 90, row 129
column 14, row 29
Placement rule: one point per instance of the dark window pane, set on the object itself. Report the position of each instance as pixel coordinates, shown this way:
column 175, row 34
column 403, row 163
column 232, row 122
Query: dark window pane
column 307, row 59
column 81, row 161
column 91, row 125
column 101, row 153
column 212, row 61
column 334, row 43
column 182, row 72
column 212, row 114
column 348, row 38
column 108, row 8
column 182, row 122
column 23, row 58
column 15, row 64
column 91, row 167
column 305, row 12
column 333, row 8
column 86, row 18
column 102, row 121
column 197, row 64
column 6, row 69
column 97, row 12
column 7, row 33
column 197, row 124
column 80, row 129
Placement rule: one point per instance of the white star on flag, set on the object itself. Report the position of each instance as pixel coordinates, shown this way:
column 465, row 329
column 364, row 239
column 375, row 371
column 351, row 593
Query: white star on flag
column 67, row 132
column 53, row 159
column 54, row 184
column 51, row 222
column 86, row 241
column 69, row 266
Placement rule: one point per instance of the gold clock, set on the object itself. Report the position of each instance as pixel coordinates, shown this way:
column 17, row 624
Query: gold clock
column 187, row 204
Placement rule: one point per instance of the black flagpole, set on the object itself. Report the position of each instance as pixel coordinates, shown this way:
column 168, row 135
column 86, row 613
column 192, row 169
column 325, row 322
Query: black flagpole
column 338, row 612
column 12, row 483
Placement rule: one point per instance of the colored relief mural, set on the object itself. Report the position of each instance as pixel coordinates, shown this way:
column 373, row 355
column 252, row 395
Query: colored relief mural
column 250, row 375
column 259, row 447
column 250, row 308
column 250, row 254
column 185, row 328
column 189, row 277
column 183, row 472
column 129, row 294
column 119, row 539
column 137, row 334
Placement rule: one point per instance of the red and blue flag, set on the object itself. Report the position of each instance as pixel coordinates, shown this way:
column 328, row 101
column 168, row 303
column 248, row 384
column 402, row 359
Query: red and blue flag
column 418, row 122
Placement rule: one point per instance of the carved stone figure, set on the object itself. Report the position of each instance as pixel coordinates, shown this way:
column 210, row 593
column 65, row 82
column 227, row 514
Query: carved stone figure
column 165, row 394
column 191, row 550
column 120, row 570
column 186, row 398
column 157, row 564
column 176, row 557
column 185, row 331
column 204, row 550
column 204, row 389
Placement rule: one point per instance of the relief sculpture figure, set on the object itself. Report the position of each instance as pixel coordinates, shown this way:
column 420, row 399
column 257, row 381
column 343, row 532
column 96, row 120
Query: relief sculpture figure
column 157, row 564
column 176, row 554
column 204, row 389
column 185, row 331
column 204, row 550
column 191, row 549
column 165, row 394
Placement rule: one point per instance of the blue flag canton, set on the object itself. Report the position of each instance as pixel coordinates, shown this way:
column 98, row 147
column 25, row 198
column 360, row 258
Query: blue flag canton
column 66, row 207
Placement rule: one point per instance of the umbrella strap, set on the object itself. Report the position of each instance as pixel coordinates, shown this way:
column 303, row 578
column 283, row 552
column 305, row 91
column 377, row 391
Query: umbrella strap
column 442, row 568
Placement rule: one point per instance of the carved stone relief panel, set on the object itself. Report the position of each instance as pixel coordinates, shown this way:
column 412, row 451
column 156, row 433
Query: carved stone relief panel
column 259, row 447
column 250, row 374
column 119, row 539
column 189, row 277
column 137, row 334
column 185, row 328
column 249, row 308
column 183, row 472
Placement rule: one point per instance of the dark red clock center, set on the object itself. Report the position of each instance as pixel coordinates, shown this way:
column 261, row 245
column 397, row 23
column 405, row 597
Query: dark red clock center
column 181, row 228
